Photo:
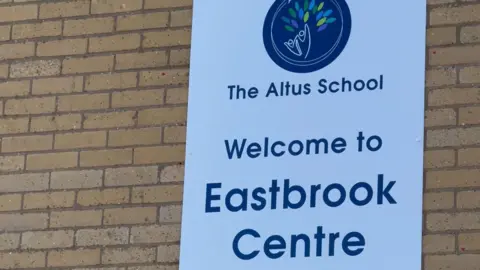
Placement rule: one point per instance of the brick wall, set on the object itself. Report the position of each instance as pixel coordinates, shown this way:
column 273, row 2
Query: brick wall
column 93, row 106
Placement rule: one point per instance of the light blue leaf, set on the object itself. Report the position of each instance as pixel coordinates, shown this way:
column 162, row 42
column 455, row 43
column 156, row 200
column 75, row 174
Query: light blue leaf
column 328, row 12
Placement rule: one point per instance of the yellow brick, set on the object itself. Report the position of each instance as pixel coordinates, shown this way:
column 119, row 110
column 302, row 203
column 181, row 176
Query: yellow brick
column 470, row 34
column 142, row 21
column 167, row 77
column 453, row 179
column 162, row 116
column 62, row 47
column 437, row 222
column 89, row 64
column 131, row 176
column 467, row 261
column 172, row 174
column 441, row 76
column 159, row 154
column 167, row 38
column 454, row 15
column 102, row 237
column 83, row 102
column 168, row 253
column 47, row 239
column 469, row 75
column 454, row 55
column 453, row 96
column 9, row 203
column 126, row 216
column 80, row 140
column 170, row 213
column 111, row 81
column 13, row 125
column 453, row 137
column 18, row 13
column 137, row 98
column 128, row 137
column 23, row 222
column 62, row 85
column 30, row 106
column 105, row 157
column 27, row 143
column 438, row 200
column 177, row 96
column 114, row 6
column 140, row 60
column 179, row 57
column 175, row 134
column 12, row 163
column 441, row 36
column 469, row 241
column 438, row 243
column 52, row 161
column 9, row 241
column 5, row 32
column 17, row 51
column 88, row 26
column 109, row 120
column 23, row 259
column 76, row 179
column 440, row 117
column 439, row 158
column 129, row 255
column 3, row 71
column 35, row 30
column 469, row 157
column 157, row 194
column 468, row 199
column 150, row 4
column 75, row 218
column 35, row 68
column 469, row 115
column 48, row 200
column 103, row 197
column 114, row 43
column 56, row 122
column 65, row 9
column 24, row 182
column 181, row 18
column 155, row 234
column 14, row 88
column 73, row 257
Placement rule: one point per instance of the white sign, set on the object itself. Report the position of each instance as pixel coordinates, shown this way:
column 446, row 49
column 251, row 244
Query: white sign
column 305, row 136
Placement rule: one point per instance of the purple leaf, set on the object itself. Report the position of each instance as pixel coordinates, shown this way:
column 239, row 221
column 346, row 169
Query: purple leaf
column 322, row 27
column 294, row 23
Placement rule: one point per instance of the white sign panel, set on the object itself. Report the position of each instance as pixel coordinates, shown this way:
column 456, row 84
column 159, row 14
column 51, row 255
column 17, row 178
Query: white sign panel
column 305, row 135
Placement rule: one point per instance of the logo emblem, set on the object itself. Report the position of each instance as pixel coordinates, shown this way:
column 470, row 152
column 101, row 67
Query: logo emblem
column 304, row 36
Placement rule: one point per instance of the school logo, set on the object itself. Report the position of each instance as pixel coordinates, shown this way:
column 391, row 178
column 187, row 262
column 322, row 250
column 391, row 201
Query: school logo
column 303, row 36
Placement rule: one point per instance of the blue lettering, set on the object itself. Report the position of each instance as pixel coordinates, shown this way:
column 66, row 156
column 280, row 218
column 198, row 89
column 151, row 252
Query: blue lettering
column 236, row 249
column 385, row 192
column 359, row 242
column 243, row 203
column 271, row 246
column 235, row 148
column 210, row 198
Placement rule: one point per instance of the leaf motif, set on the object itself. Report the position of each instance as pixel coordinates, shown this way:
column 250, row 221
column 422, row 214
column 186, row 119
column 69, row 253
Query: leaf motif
column 306, row 17
column 312, row 4
column 285, row 19
column 292, row 13
column 300, row 14
column 322, row 21
column 321, row 28
column 289, row 28
column 331, row 20
column 328, row 12
column 294, row 24
column 305, row 5
column 319, row 16
column 320, row 6
column 297, row 6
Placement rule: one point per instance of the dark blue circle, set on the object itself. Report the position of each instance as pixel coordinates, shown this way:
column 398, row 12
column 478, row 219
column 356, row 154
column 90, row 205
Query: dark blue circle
column 325, row 46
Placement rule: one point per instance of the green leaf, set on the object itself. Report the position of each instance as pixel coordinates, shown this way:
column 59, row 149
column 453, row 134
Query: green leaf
column 292, row 13
column 306, row 17
column 320, row 6
column 321, row 21
column 289, row 28
column 305, row 5
column 314, row 10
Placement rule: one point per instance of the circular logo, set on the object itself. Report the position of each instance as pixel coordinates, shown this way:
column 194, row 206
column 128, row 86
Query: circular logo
column 303, row 36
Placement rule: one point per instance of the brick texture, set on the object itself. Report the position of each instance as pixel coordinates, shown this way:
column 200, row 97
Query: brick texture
column 93, row 99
